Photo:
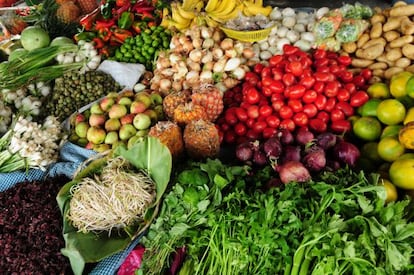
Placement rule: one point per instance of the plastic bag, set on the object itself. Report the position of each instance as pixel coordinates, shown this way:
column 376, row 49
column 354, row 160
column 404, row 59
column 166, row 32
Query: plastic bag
column 350, row 30
column 328, row 25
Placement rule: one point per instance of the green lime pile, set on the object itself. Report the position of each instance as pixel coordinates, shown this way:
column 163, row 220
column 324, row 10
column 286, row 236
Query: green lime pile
column 144, row 47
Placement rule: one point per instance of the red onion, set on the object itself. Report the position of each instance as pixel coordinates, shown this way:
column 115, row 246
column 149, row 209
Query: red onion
column 315, row 160
column 346, row 152
column 326, row 140
column 304, row 136
column 244, row 151
column 272, row 147
column 293, row 171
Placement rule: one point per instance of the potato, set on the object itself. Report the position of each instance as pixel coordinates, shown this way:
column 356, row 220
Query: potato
column 399, row 4
column 377, row 18
column 371, row 52
column 391, row 35
column 408, row 51
column 349, row 47
column 376, row 30
column 393, row 54
column 410, row 69
column 361, row 63
column 402, row 10
column 374, row 41
column 378, row 66
column 378, row 73
column 362, row 40
column 407, row 26
column 401, row 41
column 392, row 23
column 392, row 71
column 402, row 62
column 383, row 58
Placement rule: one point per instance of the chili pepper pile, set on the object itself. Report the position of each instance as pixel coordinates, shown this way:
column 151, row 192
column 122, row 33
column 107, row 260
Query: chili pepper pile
column 116, row 20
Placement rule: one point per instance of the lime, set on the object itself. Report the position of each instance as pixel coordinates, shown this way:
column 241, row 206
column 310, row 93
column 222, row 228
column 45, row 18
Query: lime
column 391, row 112
column 390, row 149
column 370, row 107
column 379, row 90
column 367, row 128
column 391, row 131
column 398, row 84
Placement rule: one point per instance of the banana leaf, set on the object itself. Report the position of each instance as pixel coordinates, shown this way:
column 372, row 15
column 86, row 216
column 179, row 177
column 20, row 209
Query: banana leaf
column 81, row 248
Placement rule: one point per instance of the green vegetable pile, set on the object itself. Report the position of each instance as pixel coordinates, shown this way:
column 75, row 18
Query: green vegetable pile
column 143, row 48
column 336, row 224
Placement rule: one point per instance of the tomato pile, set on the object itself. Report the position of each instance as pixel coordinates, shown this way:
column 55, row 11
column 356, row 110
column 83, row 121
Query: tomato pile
column 297, row 89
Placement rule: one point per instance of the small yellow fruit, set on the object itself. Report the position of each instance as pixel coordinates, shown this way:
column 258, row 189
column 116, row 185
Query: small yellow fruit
column 406, row 135
column 391, row 190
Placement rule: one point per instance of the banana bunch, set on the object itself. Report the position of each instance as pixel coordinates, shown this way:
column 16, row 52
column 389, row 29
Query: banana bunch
column 182, row 15
column 220, row 11
column 255, row 7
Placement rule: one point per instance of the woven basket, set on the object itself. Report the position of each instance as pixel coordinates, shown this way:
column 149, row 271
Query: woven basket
column 247, row 36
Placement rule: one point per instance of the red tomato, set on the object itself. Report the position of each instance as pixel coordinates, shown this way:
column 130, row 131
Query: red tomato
column 332, row 62
column 251, row 78
column 358, row 98
column 331, row 55
column 306, row 61
column 324, row 116
column 359, row 81
column 277, row 73
column 229, row 137
column 287, row 124
column 295, row 67
column 285, row 112
column 345, row 107
column 275, row 97
column 346, row 76
column 366, row 73
column 343, row 95
column 277, row 105
column 252, row 96
column 336, row 69
column 330, row 104
column 265, row 110
column 300, row 119
column 273, row 121
column 324, row 76
column 331, row 88
column 307, row 81
column 269, row 132
column 258, row 68
column 250, row 122
column 253, row 111
column 320, row 102
column 310, row 110
column 288, row 79
column 319, row 53
column 309, row 96
column 317, row 125
column 341, row 126
column 240, row 129
column 266, row 72
column 252, row 135
column 307, row 72
column 276, row 59
column 266, row 91
column 289, row 49
column 337, row 114
column 345, row 60
column 230, row 117
column 323, row 69
column 319, row 86
column 266, row 81
column 350, row 87
column 277, row 86
column 259, row 126
column 241, row 114
column 295, row 91
column 295, row 104
column 321, row 62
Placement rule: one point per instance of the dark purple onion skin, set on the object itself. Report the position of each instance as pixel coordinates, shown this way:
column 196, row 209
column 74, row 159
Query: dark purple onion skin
column 285, row 136
column 304, row 136
column 259, row 158
column 291, row 153
column 326, row 140
column 293, row 171
column 273, row 183
column 315, row 161
column 272, row 147
column 244, row 152
column 346, row 152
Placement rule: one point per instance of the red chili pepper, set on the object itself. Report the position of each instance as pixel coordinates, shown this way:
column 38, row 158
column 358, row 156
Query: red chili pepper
column 119, row 35
column 104, row 34
column 146, row 16
column 144, row 9
column 104, row 51
column 136, row 26
column 104, row 24
column 98, row 43
column 121, row 3
column 88, row 20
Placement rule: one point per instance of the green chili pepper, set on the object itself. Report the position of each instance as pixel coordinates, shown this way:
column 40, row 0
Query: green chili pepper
column 125, row 20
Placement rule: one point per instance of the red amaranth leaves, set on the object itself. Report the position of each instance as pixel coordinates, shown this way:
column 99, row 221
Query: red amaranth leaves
column 31, row 229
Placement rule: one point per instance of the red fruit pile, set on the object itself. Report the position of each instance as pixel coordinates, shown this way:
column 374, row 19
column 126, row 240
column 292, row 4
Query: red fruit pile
column 297, row 89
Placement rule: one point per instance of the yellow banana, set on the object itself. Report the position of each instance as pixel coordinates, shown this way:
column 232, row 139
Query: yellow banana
column 211, row 5
column 211, row 22
column 185, row 13
column 251, row 9
column 180, row 25
column 258, row 2
column 189, row 4
column 225, row 17
column 177, row 16
column 231, row 5
column 199, row 6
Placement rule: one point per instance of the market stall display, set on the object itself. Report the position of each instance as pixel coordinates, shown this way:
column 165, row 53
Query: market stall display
column 212, row 137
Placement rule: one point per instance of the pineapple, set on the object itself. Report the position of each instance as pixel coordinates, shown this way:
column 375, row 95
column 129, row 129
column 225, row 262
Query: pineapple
column 211, row 99
column 201, row 139
column 87, row 6
column 172, row 100
column 169, row 134
column 187, row 112
column 68, row 12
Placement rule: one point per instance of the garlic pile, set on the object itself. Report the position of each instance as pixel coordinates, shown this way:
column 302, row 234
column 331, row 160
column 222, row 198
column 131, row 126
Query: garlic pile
column 37, row 143
column 86, row 53
column 5, row 117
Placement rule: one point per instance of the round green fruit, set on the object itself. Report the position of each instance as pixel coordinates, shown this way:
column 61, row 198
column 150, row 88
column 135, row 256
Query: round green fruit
column 34, row 37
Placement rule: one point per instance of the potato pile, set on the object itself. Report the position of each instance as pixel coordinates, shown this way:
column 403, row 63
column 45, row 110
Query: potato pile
column 387, row 47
